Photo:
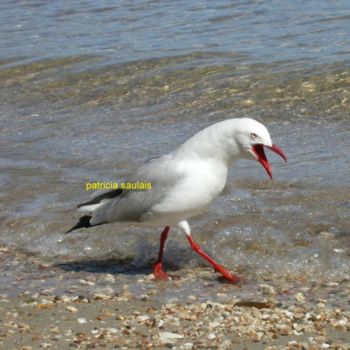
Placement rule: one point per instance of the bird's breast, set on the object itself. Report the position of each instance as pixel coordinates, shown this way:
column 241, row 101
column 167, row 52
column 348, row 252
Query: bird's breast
column 203, row 181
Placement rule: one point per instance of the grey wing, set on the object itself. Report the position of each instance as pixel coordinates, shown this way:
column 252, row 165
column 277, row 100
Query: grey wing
column 100, row 196
column 133, row 205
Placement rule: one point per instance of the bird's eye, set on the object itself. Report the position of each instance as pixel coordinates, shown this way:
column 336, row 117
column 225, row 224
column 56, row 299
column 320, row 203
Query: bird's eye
column 253, row 136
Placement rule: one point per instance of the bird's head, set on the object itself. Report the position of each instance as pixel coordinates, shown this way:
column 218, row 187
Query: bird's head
column 252, row 137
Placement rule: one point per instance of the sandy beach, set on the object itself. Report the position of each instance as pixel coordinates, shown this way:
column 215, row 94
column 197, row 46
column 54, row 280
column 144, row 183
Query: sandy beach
column 289, row 313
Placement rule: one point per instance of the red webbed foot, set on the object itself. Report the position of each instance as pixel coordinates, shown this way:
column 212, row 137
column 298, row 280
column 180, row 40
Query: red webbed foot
column 229, row 276
column 159, row 273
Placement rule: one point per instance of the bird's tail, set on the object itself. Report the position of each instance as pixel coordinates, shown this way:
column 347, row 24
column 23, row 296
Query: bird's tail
column 98, row 199
column 84, row 221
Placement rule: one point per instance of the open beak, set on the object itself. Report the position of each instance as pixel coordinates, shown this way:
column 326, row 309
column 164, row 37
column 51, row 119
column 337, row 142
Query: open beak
column 259, row 152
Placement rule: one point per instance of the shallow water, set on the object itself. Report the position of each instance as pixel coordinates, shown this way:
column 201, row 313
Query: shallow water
column 81, row 106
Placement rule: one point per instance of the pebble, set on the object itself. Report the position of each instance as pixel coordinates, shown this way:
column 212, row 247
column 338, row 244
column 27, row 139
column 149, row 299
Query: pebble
column 299, row 297
column 44, row 306
column 68, row 333
column 331, row 284
column 267, row 289
column 144, row 297
column 248, row 102
column 101, row 296
column 226, row 344
column 86, row 283
column 54, row 330
column 109, row 278
column 71, row 309
column 327, row 235
column 169, row 337
column 112, row 330
column 344, row 101
column 214, row 324
column 150, row 277
column 142, row 318
column 308, row 86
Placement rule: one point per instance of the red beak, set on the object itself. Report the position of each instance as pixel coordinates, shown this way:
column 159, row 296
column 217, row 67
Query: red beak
column 259, row 151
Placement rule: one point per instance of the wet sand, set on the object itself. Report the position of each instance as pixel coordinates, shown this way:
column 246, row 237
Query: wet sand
column 285, row 313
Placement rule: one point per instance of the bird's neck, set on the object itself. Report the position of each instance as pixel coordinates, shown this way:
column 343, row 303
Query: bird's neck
column 213, row 142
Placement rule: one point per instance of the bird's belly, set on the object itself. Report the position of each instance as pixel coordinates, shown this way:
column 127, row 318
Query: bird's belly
column 191, row 198
column 162, row 218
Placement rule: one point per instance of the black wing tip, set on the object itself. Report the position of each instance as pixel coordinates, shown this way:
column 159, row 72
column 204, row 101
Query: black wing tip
column 84, row 221
column 107, row 195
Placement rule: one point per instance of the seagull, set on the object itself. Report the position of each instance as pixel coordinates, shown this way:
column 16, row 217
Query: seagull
column 183, row 185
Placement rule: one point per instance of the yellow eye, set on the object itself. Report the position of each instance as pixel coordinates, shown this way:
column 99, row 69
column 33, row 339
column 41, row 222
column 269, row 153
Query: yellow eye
column 253, row 136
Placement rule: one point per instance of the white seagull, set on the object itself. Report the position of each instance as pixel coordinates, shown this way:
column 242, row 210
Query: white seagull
column 184, row 184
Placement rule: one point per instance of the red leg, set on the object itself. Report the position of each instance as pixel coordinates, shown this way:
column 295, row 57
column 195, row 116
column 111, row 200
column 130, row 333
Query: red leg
column 219, row 268
column 158, row 271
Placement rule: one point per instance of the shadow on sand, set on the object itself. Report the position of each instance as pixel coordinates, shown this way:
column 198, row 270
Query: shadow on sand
column 112, row 266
